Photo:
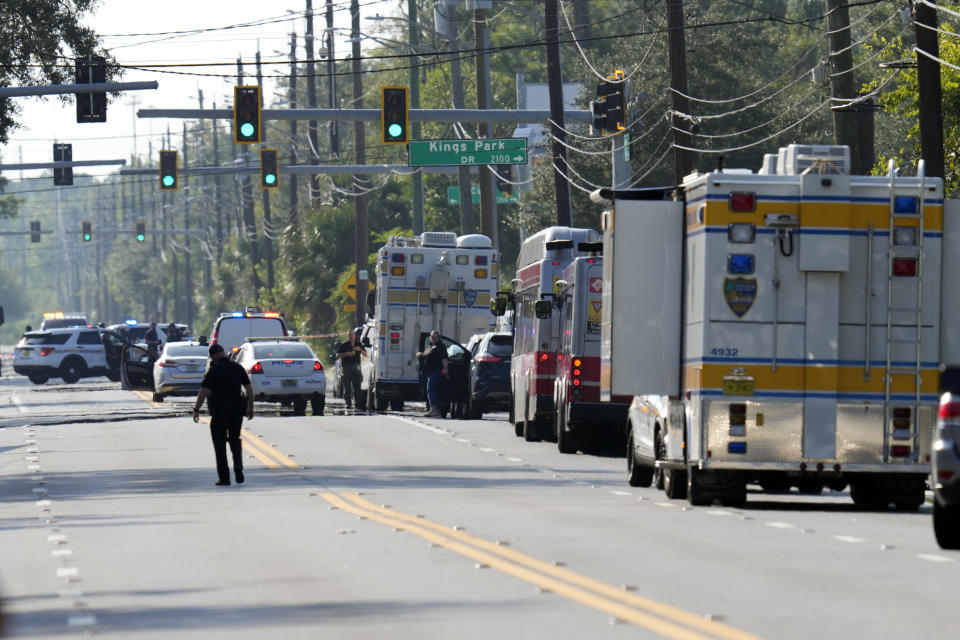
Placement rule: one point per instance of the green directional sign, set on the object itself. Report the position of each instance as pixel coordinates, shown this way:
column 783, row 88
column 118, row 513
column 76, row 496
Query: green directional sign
column 440, row 153
column 453, row 196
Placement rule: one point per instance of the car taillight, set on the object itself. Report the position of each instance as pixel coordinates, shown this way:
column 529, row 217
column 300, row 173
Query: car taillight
column 256, row 368
column 900, row 451
column 544, row 356
column 168, row 363
column 742, row 201
column 949, row 408
column 213, row 340
column 45, row 351
column 487, row 358
column 317, row 366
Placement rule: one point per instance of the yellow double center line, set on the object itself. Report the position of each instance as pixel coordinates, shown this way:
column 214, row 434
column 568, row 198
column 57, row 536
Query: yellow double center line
column 661, row 618
column 253, row 445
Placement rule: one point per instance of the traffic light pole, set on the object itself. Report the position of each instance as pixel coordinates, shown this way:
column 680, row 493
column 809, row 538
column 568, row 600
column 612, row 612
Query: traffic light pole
column 373, row 115
column 62, row 164
column 414, row 32
column 95, row 87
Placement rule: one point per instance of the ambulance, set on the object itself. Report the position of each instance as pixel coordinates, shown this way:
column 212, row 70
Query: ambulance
column 533, row 367
column 436, row 280
column 783, row 328
column 581, row 420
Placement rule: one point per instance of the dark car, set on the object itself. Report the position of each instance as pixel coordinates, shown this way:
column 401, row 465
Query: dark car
column 454, row 387
column 490, row 374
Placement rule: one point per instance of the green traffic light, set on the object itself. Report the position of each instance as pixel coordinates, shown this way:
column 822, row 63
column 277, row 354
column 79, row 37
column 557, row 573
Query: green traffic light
column 395, row 130
column 86, row 237
column 140, row 237
column 270, row 178
column 168, row 181
column 246, row 129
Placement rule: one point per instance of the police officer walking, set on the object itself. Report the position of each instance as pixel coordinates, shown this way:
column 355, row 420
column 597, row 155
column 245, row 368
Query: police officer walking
column 222, row 384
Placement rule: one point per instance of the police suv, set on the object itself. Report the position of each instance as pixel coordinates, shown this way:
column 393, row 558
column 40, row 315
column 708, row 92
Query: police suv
column 68, row 353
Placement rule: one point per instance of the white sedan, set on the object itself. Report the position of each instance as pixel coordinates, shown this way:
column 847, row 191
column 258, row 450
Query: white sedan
column 179, row 369
column 284, row 370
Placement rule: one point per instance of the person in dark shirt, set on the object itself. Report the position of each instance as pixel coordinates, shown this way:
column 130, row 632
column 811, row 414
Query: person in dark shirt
column 153, row 341
column 173, row 333
column 349, row 353
column 434, row 366
column 223, row 383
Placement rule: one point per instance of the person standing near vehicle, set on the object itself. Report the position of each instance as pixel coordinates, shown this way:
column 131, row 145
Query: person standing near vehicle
column 349, row 353
column 153, row 341
column 174, row 334
column 223, row 383
column 434, row 367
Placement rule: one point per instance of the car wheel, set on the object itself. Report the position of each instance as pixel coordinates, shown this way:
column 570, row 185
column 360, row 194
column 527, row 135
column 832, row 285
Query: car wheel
column 530, row 431
column 566, row 442
column 380, row 403
column 38, row 379
column 638, row 475
column 476, row 410
column 660, row 453
column 317, row 404
column 157, row 397
column 396, row 404
column 72, row 369
column 946, row 525
column 113, row 376
column 299, row 406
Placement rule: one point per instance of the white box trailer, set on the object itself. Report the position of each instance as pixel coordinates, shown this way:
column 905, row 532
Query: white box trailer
column 434, row 281
column 783, row 329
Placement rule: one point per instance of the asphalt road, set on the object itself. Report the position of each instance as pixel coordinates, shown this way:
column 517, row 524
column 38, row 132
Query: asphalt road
column 367, row 526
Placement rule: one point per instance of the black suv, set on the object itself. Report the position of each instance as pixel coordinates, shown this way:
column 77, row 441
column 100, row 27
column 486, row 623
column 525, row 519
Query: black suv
column 490, row 374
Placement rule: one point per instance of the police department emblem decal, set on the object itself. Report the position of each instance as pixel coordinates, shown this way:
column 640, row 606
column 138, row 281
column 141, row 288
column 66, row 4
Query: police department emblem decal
column 740, row 294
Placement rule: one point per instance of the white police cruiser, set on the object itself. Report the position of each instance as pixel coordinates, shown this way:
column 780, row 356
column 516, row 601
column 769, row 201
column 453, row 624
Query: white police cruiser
column 70, row 353
column 284, row 370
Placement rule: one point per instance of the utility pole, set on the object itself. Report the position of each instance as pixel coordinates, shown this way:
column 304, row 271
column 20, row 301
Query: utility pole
column 172, row 244
column 153, row 204
column 332, row 84
column 216, row 189
column 929, row 89
column 249, row 221
column 467, row 224
column 841, row 81
column 414, row 39
column 678, row 82
column 187, row 270
column 488, row 214
column 312, row 103
column 267, row 217
column 292, row 103
column 359, row 181
column 555, row 86
column 205, row 217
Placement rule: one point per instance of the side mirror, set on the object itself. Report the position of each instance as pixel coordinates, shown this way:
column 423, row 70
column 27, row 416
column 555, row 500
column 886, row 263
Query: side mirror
column 498, row 306
column 542, row 309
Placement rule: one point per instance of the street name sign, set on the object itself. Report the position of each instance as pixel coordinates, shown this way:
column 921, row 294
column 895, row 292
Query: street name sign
column 440, row 153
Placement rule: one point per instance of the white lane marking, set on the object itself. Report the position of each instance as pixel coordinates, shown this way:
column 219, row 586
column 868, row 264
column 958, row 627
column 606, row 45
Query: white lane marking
column 67, row 572
column 487, row 449
column 16, row 401
column 621, row 493
column 664, row 504
column 57, row 537
column 780, row 525
column 718, row 512
column 33, row 467
column 422, row 425
column 61, row 552
column 929, row 557
column 40, row 490
column 70, row 593
column 515, row 459
column 43, row 503
column 81, row 621
column 31, row 449
column 850, row 539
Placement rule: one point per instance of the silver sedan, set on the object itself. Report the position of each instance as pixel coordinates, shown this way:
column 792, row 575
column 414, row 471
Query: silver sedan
column 179, row 369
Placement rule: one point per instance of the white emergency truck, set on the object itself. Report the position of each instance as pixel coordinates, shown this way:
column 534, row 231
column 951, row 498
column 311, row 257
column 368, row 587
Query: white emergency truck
column 581, row 420
column 783, row 328
column 533, row 366
column 433, row 281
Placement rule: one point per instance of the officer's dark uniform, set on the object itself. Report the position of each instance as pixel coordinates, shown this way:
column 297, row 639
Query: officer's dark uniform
column 225, row 381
